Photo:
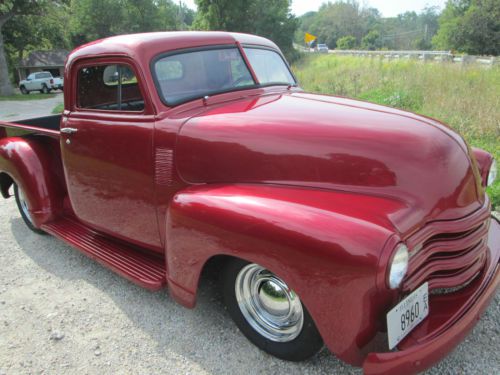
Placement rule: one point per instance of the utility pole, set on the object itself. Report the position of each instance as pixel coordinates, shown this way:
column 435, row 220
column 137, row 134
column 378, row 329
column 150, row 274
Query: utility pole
column 181, row 15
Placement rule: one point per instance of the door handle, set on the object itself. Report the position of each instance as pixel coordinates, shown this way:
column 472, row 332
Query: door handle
column 68, row 130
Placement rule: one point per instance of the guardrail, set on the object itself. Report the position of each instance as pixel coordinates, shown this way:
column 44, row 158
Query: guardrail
column 438, row 56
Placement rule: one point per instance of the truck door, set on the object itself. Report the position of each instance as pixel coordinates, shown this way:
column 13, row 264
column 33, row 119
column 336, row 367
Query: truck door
column 106, row 143
column 30, row 82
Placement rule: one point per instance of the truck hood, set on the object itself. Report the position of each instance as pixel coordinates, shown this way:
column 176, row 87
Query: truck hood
column 316, row 141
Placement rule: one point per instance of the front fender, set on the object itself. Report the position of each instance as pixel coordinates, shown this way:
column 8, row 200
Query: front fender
column 29, row 163
column 326, row 245
column 484, row 160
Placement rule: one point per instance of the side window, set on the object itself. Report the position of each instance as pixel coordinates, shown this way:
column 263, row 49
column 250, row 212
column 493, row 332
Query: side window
column 109, row 87
column 31, row 76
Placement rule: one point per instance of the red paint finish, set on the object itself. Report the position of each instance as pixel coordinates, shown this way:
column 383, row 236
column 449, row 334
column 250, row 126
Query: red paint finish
column 318, row 189
column 34, row 164
column 484, row 161
column 311, row 140
column 109, row 178
column 325, row 245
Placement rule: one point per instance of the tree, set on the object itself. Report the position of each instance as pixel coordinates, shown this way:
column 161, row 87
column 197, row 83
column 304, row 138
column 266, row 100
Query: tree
column 96, row 19
column 8, row 9
column 155, row 15
column 371, row 41
column 342, row 18
column 470, row 26
column 14, row 30
column 125, row 17
column 230, row 15
column 449, row 24
column 346, row 42
column 480, row 32
column 267, row 18
column 334, row 20
column 428, row 20
column 272, row 19
column 25, row 33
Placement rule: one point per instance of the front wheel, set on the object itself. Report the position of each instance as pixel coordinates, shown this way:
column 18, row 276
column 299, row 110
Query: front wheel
column 24, row 91
column 22, row 205
column 268, row 312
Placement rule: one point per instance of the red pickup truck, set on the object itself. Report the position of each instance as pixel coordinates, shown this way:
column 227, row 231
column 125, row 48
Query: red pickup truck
column 331, row 221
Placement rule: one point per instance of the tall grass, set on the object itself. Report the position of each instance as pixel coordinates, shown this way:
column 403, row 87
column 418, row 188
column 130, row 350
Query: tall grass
column 465, row 97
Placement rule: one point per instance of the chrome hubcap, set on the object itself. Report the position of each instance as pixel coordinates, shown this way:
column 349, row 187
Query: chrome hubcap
column 268, row 304
column 24, row 205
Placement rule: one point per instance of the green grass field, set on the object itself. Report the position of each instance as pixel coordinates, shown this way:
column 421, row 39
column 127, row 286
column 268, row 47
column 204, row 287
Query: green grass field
column 58, row 109
column 465, row 97
column 32, row 96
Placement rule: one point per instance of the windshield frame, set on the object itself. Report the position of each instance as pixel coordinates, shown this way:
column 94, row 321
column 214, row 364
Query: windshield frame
column 244, row 57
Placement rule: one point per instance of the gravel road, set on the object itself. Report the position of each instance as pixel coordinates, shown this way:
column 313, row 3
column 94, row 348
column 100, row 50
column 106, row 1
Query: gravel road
column 62, row 313
column 13, row 110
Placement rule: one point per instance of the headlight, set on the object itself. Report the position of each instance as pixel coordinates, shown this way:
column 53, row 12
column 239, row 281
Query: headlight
column 492, row 176
column 399, row 266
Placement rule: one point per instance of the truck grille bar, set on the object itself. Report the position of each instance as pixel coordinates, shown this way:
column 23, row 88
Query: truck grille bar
column 448, row 254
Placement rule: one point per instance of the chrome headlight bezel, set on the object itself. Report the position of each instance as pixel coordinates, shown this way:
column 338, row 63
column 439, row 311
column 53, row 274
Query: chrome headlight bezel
column 398, row 266
column 492, row 173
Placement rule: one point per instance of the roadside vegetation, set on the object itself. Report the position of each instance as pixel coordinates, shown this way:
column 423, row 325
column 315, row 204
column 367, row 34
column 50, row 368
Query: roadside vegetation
column 465, row 97
column 20, row 97
column 464, row 26
column 58, row 109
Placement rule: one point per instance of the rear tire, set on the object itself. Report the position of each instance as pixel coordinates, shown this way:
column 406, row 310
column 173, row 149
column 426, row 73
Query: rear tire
column 45, row 89
column 272, row 316
column 23, row 90
column 22, row 205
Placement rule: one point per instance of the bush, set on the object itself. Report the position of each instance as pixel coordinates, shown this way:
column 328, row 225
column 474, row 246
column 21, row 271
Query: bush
column 410, row 100
column 371, row 41
column 346, row 42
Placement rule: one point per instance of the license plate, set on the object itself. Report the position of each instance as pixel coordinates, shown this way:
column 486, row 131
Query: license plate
column 407, row 314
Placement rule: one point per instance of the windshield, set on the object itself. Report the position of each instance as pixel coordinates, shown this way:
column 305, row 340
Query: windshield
column 190, row 75
column 269, row 67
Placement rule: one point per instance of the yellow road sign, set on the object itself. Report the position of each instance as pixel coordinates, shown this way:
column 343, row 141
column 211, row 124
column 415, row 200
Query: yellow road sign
column 309, row 38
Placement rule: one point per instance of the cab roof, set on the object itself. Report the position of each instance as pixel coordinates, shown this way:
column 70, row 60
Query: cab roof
column 145, row 46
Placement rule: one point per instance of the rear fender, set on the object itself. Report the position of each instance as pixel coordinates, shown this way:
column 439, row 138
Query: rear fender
column 30, row 164
column 325, row 245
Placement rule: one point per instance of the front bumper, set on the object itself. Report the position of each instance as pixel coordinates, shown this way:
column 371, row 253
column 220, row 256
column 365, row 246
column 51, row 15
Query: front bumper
column 451, row 318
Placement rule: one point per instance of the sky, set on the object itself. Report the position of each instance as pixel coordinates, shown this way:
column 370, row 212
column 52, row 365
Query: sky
column 388, row 8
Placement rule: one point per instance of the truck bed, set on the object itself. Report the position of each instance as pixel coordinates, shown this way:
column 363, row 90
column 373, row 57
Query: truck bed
column 47, row 125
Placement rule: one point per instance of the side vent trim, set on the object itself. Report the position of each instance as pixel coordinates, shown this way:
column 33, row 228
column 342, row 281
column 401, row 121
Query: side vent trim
column 164, row 161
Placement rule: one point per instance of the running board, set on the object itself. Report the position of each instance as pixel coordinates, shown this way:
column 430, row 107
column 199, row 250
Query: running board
column 142, row 269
